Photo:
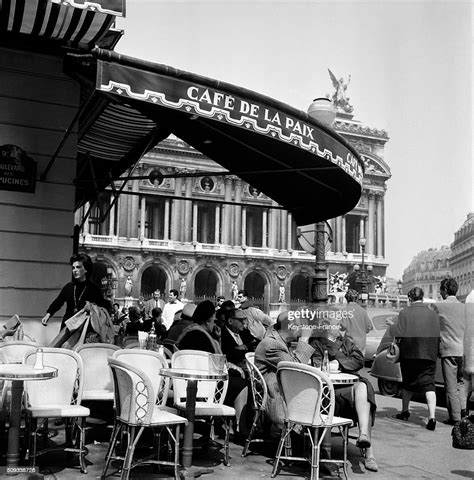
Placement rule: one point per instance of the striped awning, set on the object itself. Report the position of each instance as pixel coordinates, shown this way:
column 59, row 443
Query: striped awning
column 300, row 163
column 76, row 24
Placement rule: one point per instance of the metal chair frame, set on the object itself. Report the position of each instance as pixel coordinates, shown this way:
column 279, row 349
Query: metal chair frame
column 259, row 399
column 75, row 419
column 136, row 410
column 313, row 412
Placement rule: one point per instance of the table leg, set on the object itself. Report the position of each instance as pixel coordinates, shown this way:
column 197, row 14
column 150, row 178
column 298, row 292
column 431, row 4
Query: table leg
column 187, row 457
column 13, row 451
column 191, row 392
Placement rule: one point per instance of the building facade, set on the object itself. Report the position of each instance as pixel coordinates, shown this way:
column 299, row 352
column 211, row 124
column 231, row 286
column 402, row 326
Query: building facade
column 426, row 271
column 181, row 224
column 462, row 257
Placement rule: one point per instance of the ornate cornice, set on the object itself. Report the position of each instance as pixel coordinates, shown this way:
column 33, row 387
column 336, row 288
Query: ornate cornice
column 358, row 129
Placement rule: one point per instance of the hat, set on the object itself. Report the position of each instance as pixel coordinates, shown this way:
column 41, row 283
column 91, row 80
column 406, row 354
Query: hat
column 239, row 315
column 188, row 311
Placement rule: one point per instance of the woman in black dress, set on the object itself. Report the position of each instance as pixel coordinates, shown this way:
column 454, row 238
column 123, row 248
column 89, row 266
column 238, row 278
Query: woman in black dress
column 75, row 294
column 418, row 332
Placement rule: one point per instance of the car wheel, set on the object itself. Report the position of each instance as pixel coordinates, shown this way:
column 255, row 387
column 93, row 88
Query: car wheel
column 389, row 388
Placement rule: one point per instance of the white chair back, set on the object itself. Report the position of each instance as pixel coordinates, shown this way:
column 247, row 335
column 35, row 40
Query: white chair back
column 208, row 391
column 250, row 357
column 14, row 351
column 97, row 374
column 66, row 388
column 134, row 393
column 150, row 363
column 307, row 392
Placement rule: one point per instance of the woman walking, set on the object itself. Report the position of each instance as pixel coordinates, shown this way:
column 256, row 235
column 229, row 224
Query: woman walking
column 418, row 333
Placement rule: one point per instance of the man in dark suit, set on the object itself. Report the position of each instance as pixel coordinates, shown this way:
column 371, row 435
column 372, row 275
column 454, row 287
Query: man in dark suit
column 233, row 343
column 154, row 302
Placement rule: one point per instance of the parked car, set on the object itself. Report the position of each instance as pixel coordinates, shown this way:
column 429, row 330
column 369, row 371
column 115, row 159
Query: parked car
column 378, row 317
column 389, row 376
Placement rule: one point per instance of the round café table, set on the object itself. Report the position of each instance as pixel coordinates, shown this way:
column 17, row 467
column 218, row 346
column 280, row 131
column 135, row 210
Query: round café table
column 339, row 378
column 192, row 377
column 19, row 373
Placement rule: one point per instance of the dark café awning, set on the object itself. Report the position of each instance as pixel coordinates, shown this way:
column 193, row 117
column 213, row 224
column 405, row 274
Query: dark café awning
column 303, row 165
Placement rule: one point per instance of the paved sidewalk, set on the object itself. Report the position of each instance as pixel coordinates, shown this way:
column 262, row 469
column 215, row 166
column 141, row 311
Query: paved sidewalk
column 404, row 450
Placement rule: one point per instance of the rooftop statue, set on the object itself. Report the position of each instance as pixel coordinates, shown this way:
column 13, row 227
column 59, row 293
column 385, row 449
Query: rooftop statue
column 339, row 98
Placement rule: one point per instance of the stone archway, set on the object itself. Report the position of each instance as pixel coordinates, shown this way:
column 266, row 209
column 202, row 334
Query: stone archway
column 254, row 283
column 153, row 278
column 300, row 289
column 205, row 285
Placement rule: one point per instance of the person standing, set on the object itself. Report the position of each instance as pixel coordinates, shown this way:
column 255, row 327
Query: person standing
column 452, row 317
column 154, row 302
column 171, row 308
column 355, row 322
column 78, row 292
column 418, row 332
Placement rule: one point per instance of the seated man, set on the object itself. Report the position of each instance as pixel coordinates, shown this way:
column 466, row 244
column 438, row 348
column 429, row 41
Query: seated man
column 274, row 349
column 157, row 322
column 233, row 342
column 356, row 402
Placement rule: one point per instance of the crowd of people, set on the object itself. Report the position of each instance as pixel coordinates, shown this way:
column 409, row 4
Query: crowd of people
column 423, row 332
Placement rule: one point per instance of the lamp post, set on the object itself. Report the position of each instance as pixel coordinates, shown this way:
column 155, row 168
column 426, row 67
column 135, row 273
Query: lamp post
column 362, row 280
column 324, row 111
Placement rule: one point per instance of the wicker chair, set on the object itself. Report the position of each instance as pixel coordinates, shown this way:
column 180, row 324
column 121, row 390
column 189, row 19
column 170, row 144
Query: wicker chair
column 98, row 382
column 259, row 399
column 59, row 397
column 210, row 394
column 309, row 398
column 136, row 410
column 150, row 363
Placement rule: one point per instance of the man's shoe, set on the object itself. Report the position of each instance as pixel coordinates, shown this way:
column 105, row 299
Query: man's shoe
column 450, row 421
column 363, row 441
column 431, row 425
column 402, row 415
column 371, row 464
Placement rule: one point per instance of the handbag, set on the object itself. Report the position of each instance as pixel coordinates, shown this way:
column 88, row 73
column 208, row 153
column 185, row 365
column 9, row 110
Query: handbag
column 463, row 434
column 393, row 353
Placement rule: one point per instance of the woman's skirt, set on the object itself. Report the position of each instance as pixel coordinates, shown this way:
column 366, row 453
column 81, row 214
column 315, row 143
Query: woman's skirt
column 345, row 401
column 418, row 375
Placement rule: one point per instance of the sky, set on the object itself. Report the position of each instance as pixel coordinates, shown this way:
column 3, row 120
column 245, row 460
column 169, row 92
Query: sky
column 411, row 74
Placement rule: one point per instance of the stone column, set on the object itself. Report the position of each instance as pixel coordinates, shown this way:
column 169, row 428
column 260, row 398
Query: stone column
column 227, row 212
column 166, row 232
column 343, row 234
column 155, row 233
column 332, row 222
column 217, row 224
column 383, row 227
column 283, row 230
column 379, row 226
column 177, row 213
column 135, row 200
column 238, row 238
column 361, row 228
column 273, row 226
column 289, row 239
column 188, row 209
column 142, row 216
column 195, row 224
column 265, row 228
column 244, row 226
column 339, row 234
column 371, row 233
column 112, row 217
